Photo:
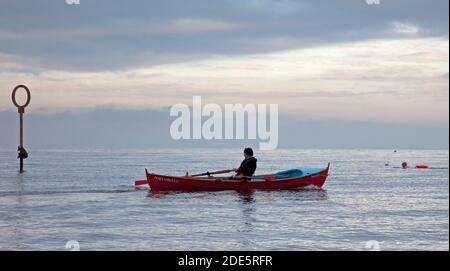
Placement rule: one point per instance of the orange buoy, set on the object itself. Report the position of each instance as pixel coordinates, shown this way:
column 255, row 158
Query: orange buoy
column 422, row 166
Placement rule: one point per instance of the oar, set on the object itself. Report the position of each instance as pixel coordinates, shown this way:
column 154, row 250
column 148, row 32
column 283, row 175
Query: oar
column 140, row 182
column 212, row 173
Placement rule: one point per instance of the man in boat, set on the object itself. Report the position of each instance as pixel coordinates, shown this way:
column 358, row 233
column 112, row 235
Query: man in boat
column 247, row 167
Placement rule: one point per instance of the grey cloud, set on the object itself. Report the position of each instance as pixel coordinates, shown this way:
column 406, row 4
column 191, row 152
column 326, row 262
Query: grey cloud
column 105, row 35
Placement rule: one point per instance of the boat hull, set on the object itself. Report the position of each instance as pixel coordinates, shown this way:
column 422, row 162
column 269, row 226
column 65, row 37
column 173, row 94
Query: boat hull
column 171, row 183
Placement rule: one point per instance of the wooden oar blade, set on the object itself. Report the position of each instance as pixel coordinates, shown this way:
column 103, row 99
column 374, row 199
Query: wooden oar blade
column 140, row 182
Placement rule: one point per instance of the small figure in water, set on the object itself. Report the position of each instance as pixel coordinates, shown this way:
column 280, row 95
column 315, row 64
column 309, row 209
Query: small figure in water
column 405, row 165
column 247, row 167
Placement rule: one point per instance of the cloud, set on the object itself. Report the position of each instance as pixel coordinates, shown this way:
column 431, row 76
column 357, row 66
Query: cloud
column 371, row 80
column 109, row 35
column 11, row 63
column 317, row 59
column 179, row 26
column 185, row 26
column 406, row 28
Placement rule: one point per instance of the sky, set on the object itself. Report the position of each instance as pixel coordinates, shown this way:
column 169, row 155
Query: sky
column 344, row 73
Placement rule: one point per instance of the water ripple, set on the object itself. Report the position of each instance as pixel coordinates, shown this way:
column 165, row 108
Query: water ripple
column 65, row 195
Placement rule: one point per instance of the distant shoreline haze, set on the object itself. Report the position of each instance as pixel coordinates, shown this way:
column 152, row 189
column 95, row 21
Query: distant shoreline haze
column 148, row 129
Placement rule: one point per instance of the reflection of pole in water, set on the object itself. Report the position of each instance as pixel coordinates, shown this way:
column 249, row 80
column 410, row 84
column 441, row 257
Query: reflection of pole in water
column 17, row 222
column 248, row 208
column 246, row 196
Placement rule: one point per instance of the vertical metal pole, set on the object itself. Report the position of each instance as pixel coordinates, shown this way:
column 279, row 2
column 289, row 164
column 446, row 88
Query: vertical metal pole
column 21, row 139
column 22, row 153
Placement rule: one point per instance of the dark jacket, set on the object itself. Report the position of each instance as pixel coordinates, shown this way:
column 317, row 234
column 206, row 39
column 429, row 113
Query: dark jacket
column 248, row 167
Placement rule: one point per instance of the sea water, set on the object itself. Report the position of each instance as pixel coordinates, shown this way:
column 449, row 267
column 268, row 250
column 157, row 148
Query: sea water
column 87, row 198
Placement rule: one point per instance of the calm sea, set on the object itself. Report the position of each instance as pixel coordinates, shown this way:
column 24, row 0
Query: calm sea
column 88, row 197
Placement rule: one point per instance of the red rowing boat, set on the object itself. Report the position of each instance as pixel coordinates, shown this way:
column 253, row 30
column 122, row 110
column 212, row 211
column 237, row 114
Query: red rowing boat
column 289, row 179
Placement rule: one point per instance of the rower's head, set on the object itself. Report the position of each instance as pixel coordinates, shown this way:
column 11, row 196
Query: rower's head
column 248, row 152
